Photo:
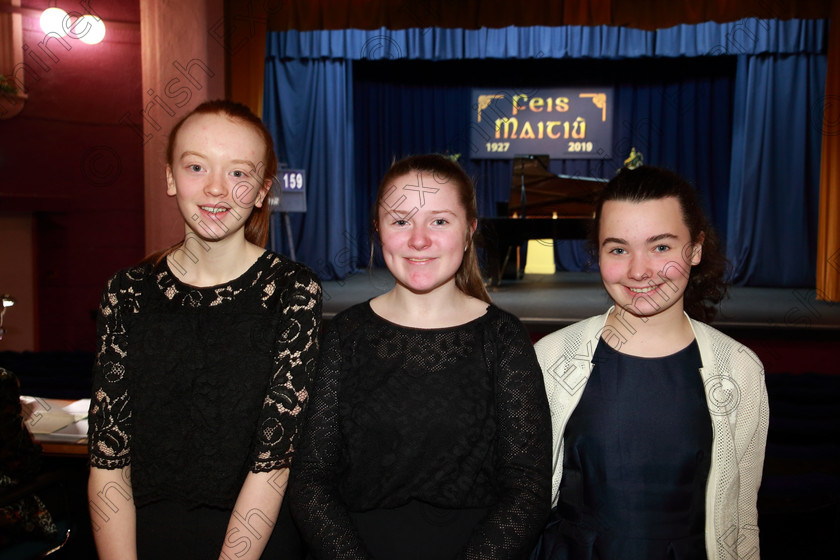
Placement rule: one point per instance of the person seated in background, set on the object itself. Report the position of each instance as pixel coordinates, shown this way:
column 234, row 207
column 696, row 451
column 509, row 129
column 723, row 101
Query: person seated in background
column 26, row 517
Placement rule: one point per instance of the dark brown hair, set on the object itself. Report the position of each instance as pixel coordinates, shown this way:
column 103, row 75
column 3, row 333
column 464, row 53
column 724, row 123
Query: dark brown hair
column 443, row 170
column 256, row 225
column 706, row 285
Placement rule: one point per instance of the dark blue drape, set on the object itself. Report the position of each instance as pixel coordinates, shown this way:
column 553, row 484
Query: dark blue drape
column 774, row 183
column 682, row 119
column 748, row 36
column 308, row 109
column 421, row 107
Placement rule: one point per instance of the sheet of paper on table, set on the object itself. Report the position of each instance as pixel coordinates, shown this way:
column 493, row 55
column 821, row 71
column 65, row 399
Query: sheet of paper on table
column 71, row 432
column 55, row 419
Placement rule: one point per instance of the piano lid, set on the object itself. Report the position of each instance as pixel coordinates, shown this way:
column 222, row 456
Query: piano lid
column 549, row 195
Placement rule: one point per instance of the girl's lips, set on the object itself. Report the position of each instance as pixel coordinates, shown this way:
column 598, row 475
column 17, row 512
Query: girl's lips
column 215, row 211
column 419, row 260
column 642, row 290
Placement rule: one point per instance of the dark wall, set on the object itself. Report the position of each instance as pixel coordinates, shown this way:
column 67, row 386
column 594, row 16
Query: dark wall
column 69, row 160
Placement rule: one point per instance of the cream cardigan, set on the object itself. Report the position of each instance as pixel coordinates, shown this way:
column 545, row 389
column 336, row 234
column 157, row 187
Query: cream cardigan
column 737, row 399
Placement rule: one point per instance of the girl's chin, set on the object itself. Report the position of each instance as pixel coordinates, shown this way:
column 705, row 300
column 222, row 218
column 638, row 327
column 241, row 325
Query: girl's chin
column 425, row 286
column 635, row 311
column 644, row 310
column 212, row 234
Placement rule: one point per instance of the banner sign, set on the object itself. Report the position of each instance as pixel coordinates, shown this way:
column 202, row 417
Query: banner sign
column 565, row 123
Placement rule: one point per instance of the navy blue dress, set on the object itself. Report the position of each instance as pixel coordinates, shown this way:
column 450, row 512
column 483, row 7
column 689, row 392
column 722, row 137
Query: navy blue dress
column 637, row 457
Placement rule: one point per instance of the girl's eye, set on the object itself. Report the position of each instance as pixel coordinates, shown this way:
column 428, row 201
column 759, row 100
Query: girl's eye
column 617, row 251
column 401, row 222
column 440, row 222
column 238, row 174
column 195, row 167
column 661, row 248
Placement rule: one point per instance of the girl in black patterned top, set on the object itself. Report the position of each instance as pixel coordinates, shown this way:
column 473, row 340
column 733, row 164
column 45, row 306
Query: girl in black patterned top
column 428, row 436
column 205, row 352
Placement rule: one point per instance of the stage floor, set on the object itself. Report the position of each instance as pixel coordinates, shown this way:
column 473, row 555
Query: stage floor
column 550, row 301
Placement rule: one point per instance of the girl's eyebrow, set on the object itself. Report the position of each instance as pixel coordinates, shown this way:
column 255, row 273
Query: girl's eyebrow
column 660, row 237
column 249, row 163
column 189, row 153
column 652, row 239
column 613, row 240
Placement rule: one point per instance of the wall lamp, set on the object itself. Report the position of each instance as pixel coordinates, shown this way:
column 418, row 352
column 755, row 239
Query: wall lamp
column 8, row 301
column 87, row 28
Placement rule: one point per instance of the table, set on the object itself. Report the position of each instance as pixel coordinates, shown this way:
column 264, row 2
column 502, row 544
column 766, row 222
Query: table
column 58, row 425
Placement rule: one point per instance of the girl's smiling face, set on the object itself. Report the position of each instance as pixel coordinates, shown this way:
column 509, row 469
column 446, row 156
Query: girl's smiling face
column 424, row 236
column 645, row 254
column 217, row 174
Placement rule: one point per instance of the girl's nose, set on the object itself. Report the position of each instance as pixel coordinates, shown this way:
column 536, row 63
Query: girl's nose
column 639, row 269
column 215, row 185
column 419, row 238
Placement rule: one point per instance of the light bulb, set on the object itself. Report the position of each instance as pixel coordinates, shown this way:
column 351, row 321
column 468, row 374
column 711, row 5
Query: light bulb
column 52, row 21
column 90, row 29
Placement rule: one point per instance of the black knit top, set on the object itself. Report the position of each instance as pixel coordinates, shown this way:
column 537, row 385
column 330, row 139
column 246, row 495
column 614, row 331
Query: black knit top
column 195, row 387
column 452, row 417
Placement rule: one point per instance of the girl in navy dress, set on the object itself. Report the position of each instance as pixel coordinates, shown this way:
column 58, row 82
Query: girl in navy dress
column 659, row 420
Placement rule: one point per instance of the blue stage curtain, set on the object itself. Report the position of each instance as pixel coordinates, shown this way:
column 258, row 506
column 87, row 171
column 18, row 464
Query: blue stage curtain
column 690, row 100
column 394, row 121
column 679, row 118
column 748, row 36
column 774, row 183
column 681, row 123
column 308, row 109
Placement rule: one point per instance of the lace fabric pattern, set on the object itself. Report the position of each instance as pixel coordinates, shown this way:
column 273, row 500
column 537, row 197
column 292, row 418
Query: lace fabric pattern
column 456, row 418
column 195, row 387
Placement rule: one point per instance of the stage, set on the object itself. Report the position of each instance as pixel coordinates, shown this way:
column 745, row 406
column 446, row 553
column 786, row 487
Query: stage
column 788, row 328
column 550, row 301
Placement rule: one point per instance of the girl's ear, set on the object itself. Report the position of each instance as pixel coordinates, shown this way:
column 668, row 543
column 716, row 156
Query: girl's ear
column 170, row 181
column 261, row 196
column 697, row 249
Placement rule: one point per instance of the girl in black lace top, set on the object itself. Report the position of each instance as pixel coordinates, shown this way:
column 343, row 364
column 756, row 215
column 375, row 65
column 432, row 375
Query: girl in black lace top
column 205, row 354
column 428, row 435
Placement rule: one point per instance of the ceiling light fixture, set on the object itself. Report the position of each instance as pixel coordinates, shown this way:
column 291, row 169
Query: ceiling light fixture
column 87, row 28
column 52, row 21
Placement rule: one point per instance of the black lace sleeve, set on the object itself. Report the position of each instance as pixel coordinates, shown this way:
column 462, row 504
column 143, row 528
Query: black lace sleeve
column 109, row 417
column 523, row 452
column 314, row 497
column 295, row 358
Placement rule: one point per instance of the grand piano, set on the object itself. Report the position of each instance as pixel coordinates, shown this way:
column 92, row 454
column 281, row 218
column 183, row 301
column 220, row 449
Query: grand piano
column 543, row 205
